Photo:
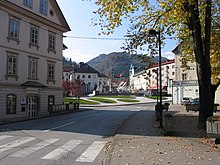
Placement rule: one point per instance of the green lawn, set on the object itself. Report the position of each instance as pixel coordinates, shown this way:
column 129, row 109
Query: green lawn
column 103, row 100
column 155, row 97
column 69, row 100
column 117, row 96
column 128, row 100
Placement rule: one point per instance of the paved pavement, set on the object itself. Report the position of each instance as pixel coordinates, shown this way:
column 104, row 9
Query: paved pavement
column 140, row 141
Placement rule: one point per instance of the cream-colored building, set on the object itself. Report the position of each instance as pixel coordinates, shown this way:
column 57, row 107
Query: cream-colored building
column 185, row 83
column 148, row 80
column 31, row 45
column 94, row 81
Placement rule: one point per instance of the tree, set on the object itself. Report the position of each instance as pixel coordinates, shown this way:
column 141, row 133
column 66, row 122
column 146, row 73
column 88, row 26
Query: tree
column 194, row 22
column 67, row 87
column 78, row 88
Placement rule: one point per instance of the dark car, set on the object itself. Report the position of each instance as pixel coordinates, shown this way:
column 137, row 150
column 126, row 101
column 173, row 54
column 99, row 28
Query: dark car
column 196, row 103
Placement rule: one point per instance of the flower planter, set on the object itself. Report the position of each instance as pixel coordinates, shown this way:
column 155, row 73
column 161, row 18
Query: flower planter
column 213, row 127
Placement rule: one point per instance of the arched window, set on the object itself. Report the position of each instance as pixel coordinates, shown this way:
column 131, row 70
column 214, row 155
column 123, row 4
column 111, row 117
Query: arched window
column 11, row 104
column 33, row 69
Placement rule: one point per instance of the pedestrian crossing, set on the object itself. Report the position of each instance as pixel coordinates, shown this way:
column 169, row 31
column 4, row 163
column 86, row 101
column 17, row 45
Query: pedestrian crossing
column 27, row 146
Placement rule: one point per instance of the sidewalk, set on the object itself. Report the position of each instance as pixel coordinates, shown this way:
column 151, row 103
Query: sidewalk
column 140, row 142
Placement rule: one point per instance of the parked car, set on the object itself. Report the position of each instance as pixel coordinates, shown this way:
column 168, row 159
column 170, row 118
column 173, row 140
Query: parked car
column 186, row 100
column 196, row 103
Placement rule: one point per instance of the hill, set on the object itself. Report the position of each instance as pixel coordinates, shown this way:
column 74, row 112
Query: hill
column 117, row 63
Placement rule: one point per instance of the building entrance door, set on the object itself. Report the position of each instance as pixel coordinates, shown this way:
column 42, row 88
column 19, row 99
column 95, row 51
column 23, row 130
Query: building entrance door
column 32, row 107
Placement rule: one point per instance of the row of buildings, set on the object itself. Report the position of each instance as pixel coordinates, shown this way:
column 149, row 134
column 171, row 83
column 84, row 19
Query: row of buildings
column 178, row 80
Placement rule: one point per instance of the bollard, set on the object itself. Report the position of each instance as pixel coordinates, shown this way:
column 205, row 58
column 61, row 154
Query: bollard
column 157, row 111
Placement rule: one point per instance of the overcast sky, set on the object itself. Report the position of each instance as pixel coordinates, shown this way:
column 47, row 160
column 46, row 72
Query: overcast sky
column 78, row 15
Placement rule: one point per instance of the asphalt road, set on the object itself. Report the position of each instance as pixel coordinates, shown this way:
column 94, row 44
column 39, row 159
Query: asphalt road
column 70, row 139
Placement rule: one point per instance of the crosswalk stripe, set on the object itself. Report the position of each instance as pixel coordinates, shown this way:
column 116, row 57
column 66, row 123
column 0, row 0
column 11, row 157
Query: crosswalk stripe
column 29, row 150
column 59, row 152
column 16, row 143
column 92, row 152
column 4, row 137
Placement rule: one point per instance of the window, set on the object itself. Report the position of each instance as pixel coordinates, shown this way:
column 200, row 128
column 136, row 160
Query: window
column 51, row 42
column 33, row 68
column 14, row 28
column 78, row 76
column 184, row 77
column 28, row 3
column 83, row 76
column 34, row 35
column 43, row 6
column 11, row 104
column 51, row 70
column 89, row 76
column 12, row 64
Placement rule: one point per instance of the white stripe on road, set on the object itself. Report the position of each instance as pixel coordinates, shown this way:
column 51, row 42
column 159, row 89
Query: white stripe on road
column 60, row 126
column 29, row 150
column 92, row 152
column 59, row 152
column 4, row 137
column 102, row 114
column 16, row 143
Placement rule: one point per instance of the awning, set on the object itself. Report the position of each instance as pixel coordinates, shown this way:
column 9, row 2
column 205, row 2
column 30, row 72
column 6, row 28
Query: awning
column 33, row 84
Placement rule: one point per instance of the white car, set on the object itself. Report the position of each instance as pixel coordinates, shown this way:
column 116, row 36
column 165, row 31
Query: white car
column 186, row 100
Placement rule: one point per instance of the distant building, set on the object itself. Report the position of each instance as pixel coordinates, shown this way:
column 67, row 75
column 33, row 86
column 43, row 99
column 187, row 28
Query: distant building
column 147, row 80
column 31, row 47
column 93, row 80
column 185, row 83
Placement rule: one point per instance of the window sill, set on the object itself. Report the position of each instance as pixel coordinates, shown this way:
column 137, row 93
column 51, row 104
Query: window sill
column 49, row 80
column 11, row 76
column 51, row 50
column 34, row 45
column 13, row 39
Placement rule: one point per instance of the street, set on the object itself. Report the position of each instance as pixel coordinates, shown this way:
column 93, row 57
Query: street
column 76, row 138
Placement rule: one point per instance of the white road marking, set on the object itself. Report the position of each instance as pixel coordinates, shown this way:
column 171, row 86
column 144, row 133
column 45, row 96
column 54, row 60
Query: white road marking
column 29, row 150
column 92, row 152
column 4, row 137
column 59, row 126
column 59, row 152
column 102, row 114
column 16, row 143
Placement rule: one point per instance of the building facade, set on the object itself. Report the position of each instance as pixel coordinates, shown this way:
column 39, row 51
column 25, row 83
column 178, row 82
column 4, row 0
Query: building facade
column 31, row 45
column 185, row 83
column 94, row 81
column 148, row 79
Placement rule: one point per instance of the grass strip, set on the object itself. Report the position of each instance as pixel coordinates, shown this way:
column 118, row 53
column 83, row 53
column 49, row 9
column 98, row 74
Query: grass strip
column 128, row 100
column 155, row 97
column 81, row 101
column 117, row 96
column 102, row 100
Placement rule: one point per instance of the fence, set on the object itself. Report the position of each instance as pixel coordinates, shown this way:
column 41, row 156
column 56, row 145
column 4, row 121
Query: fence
column 63, row 108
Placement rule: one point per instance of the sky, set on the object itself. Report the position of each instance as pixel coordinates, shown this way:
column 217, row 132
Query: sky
column 79, row 16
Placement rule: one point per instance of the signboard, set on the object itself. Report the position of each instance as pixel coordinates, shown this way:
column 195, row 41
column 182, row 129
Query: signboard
column 32, row 90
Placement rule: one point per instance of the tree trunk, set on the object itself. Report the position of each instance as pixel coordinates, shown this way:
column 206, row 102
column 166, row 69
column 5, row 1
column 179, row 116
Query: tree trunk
column 202, row 53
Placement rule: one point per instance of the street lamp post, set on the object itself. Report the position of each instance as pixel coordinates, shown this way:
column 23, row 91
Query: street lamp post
column 154, row 32
column 156, row 71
